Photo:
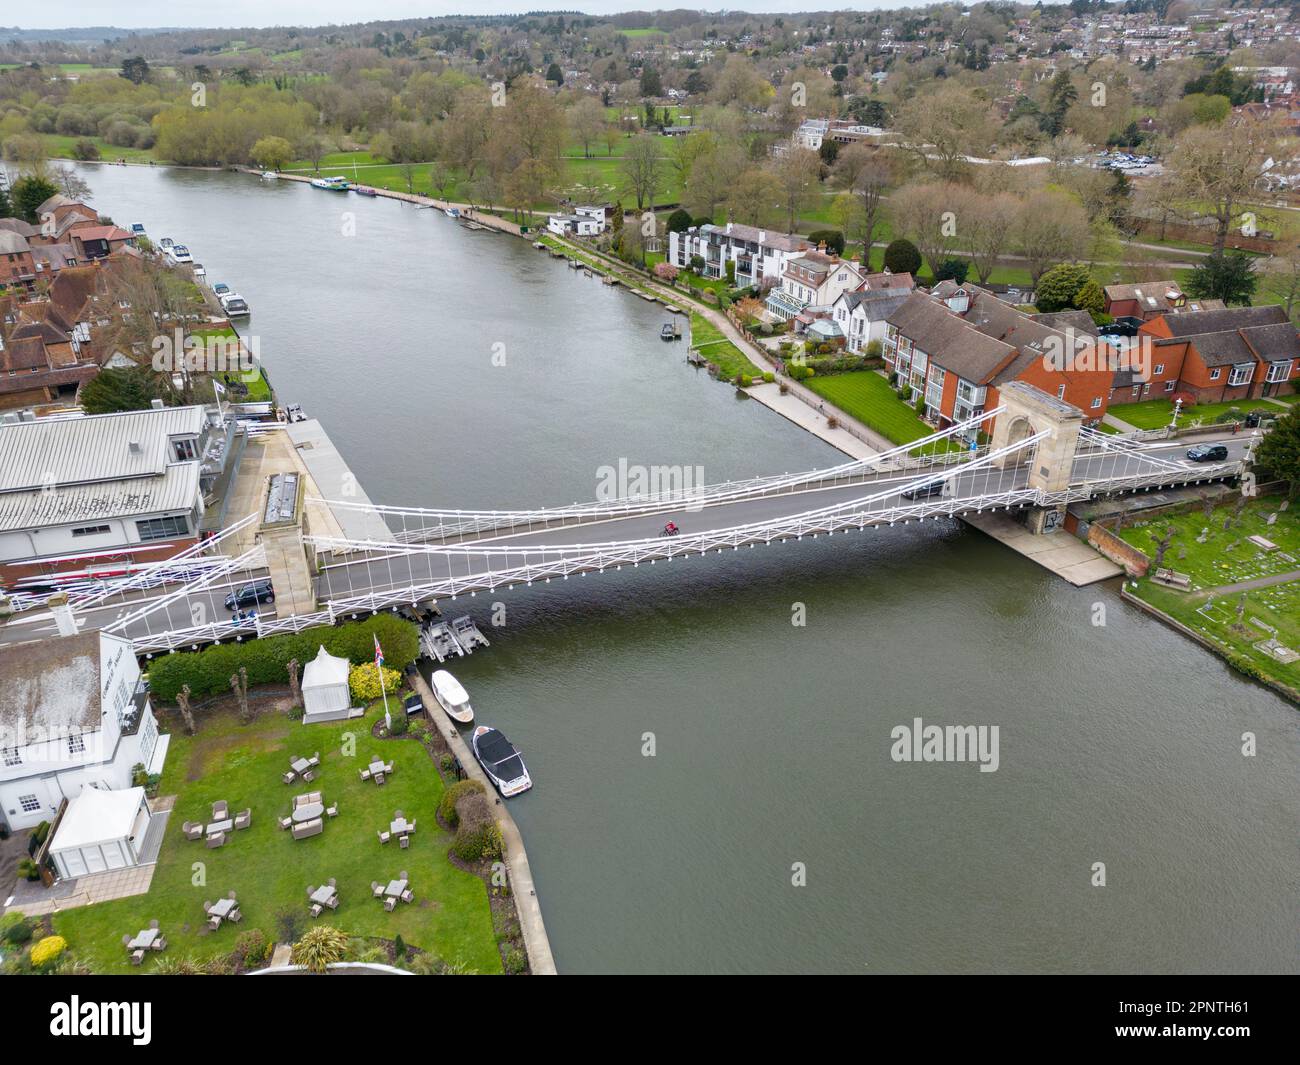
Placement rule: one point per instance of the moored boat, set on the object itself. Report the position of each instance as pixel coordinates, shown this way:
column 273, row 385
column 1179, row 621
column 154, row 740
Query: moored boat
column 235, row 305
column 364, row 190
column 451, row 212
column 452, row 697
column 333, row 184
column 501, row 761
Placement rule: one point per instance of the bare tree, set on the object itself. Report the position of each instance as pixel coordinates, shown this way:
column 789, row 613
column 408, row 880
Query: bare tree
column 643, row 167
column 587, row 120
column 239, row 685
column 797, row 174
column 867, row 173
column 183, row 704
column 1217, row 168
column 295, row 688
column 1050, row 228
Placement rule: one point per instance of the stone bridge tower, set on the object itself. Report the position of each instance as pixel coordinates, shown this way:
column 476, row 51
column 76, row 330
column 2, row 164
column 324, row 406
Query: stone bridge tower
column 1030, row 410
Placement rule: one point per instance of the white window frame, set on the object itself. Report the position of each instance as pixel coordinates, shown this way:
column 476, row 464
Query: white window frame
column 29, row 804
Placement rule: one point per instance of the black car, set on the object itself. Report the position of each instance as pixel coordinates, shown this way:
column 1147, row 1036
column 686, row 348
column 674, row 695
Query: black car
column 924, row 491
column 1207, row 453
column 251, row 594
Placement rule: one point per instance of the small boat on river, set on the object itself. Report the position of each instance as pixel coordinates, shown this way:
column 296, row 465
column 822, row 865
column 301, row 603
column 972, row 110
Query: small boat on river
column 501, row 761
column 332, row 184
column 452, row 697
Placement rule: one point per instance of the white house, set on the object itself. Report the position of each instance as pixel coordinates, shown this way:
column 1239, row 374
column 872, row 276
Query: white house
column 861, row 313
column 759, row 255
column 73, row 715
column 813, row 279
column 103, row 489
column 585, row 221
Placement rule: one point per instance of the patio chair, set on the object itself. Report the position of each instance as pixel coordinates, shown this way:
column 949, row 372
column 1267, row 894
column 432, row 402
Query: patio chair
column 332, row 811
column 235, row 915
column 286, row 822
column 333, row 903
column 207, row 906
column 309, row 776
column 160, row 943
column 137, row 957
column 384, row 837
column 390, row 904
column 315, row 910
column 217, row 839
column 389, row 769
column 231, row 896
column 193, row 829
column 376, row 889
column 153, row 923
column 332, row 882
column 403, row 875
column 311, row 889
column 365, row 774
column 403, row 841
column 243, row 819
column 315, row 759
column 379, row 779
column 126, row 940
column 317, row 796
column 410, row 829
column 214, row 922
column 289, row 777
column 398, row 815
column 408, row 895
column 220, row 811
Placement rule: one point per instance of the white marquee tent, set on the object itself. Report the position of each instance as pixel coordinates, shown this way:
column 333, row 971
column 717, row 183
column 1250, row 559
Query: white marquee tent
column 101, row 830
column 325, row 692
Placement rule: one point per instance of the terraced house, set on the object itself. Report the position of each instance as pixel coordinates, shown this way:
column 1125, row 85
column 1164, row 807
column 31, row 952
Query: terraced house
column 1217, row 356
column 957, row 344
column 759, row 254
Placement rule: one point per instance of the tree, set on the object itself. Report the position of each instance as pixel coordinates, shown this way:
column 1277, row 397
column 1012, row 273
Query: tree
column 901, row 257
column 1279, row 451
column 866, row 173
column 833, row 239
column 679, row 221
column 1282, row 279
column 1050, row 227
column 272, row 153
column 1057, row 288
column 651, row 83
column 70, row 183
column 313, row 147
column 940, row 128
column 1216, row 168
column 28, row 194
column 712, row 177
column 1229, row 277
column 5, row 206
column 85, row 149
column 754, row 198
column 930, row 217
column 1091, row 298
column 642, row 166
column 587, row 120
column 118, row 389
column 846, row 212
column 985, row 230
column 135, row 70
column 797, row 175
column 555, row 74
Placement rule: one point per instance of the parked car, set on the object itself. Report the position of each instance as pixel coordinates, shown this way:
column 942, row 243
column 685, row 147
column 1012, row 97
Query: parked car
column 1207, row 453
column 251, row 594
column 924, row 491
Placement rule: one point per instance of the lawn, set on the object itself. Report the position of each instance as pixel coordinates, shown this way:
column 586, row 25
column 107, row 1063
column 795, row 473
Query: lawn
column 866, row 396
column 259, row 390
column 1157, row 413
column 712, row 344
column 270, row 870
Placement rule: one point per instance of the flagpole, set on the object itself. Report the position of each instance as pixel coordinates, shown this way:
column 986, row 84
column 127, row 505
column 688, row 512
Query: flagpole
column 388, row 718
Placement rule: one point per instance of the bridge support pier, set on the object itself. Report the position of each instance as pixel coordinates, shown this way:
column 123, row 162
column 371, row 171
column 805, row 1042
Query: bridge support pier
column 1029, row 411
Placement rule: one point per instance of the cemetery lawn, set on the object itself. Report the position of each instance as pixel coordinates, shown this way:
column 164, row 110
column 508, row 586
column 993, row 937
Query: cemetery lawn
column 1226, row 557
column 243, row 763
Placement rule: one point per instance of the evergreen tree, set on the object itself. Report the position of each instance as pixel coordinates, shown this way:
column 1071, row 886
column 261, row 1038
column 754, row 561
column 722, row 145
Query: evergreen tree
column 1227, row 276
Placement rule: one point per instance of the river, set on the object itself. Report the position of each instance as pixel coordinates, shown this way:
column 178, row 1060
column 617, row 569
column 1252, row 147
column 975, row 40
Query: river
column 769, row 830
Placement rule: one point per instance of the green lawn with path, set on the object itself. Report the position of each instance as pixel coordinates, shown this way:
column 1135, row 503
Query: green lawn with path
column 259, row 389
column 713, row 345
column 1157, row 413
column 270, row 870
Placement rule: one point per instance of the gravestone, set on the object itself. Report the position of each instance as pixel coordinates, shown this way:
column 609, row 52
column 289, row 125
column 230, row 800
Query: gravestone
column 1272, row 518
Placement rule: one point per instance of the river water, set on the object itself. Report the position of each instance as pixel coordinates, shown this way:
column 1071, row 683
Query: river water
column 714, row 787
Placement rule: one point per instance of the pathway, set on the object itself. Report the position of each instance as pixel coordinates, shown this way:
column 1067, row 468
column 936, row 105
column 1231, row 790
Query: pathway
column 1257, row 582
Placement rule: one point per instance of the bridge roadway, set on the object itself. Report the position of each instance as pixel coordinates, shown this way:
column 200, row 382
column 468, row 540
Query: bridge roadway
column 349, row 577
column 356, row 575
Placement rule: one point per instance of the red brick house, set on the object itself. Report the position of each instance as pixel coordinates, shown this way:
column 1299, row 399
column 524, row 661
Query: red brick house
column 1223, row 355
column 1150, row 299
column 957, row 344
column 17, row 268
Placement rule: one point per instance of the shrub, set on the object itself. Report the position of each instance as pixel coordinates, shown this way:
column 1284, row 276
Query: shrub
column 208, row 672
column 447, row 805
column 17, row 930
column 833, row 237
column 399, row 724
column 901, row 257
column 29, row 870
column 1057, row 288
column 47, row 951
column 666, row 272
column 516, row 961
column 85, row 149
column 364, row 684
column 478, row 835
column 252, row 947
column 769, row 376
column 952, row 270
column 679, row 221
column 320, row 947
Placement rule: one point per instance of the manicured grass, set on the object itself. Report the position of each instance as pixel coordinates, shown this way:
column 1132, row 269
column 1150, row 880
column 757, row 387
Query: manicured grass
column 866, row 395
column 259, row 391
column 712, row 344
column 1157, row 413
column 60, row 146
column 271, row 871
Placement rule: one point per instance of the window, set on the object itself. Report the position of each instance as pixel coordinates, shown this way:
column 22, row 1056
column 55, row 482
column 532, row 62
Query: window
column 12, row 757
column 1060, row 392
column 77, row 744
column 1160, row 368
column 1169, row 385
column 1096, row 402
column 1278, row 371
column 1241, row 374
column 184, row 449
column 161, row 528
column 29, row 803
column 90, row 530
column 1214, row 374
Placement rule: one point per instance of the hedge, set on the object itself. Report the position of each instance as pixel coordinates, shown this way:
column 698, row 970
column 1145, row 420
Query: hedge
column 447, row 805
column 479, row 836
column 208, row 672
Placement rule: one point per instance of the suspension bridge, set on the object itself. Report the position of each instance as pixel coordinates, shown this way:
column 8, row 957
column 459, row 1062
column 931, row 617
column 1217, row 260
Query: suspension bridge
column 1040, row 459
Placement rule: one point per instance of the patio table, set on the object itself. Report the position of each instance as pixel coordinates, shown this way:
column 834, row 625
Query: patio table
column 222, row 907
column 300, row 766
column 322, row 895
column 376, row 767
column 144, row 939
column 308, row 811
column 395, row 888
column 220, row 826
column 399, row 827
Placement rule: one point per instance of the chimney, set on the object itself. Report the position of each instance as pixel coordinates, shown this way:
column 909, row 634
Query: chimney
column 728, row 229
column 762, row 236
column 64, row 620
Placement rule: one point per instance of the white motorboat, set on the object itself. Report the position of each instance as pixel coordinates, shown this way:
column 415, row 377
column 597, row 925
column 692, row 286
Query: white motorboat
column 501, row 761
column 452, row 697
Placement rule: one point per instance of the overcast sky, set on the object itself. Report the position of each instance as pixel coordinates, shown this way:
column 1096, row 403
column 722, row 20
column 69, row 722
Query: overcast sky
column 153, row 13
